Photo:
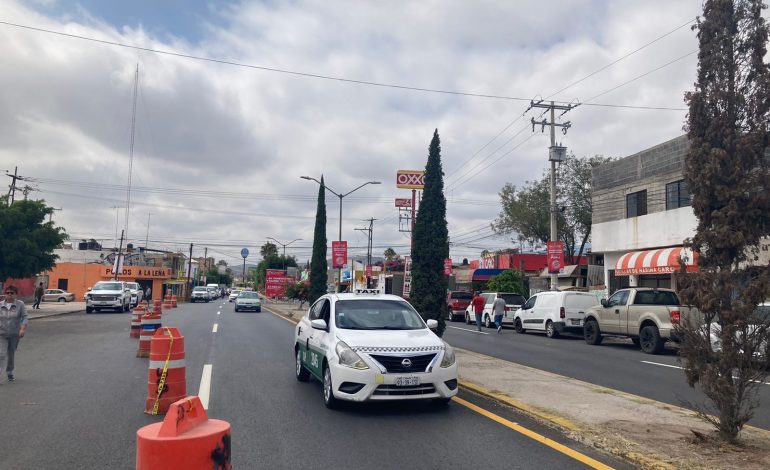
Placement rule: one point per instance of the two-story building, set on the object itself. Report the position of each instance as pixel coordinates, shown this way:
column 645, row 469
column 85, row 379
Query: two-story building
column 642, row 216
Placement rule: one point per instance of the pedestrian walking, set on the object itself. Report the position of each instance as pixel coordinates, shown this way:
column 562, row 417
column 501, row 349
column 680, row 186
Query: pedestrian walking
column 13, row 326
column 478, row 308
column 149, row 294
column 39, row 291
column 498, row 308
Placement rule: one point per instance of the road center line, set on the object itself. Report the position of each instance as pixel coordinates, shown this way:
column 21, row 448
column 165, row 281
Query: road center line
column 662, row 365
column 533, row 435
column 205, row 387
column 216, row 327
column 468, row 330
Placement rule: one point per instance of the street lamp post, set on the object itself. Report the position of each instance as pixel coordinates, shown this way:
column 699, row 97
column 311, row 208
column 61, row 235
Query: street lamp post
column 284, row 245
column 339, row 195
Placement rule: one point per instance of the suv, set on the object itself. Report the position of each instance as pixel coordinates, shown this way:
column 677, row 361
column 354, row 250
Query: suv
column 136, row 293
column 200, row 293
column 108, row 294
column 512, row 303
column 555, row 312
column 457, row 302
column 367, row 346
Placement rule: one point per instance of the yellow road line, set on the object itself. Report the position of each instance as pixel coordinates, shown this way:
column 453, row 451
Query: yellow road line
column 533, row 435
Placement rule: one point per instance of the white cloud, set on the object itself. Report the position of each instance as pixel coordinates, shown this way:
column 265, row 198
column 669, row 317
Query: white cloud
column 65, row 112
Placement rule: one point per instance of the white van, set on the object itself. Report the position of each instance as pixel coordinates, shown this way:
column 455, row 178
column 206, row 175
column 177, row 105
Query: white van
column 554, row 312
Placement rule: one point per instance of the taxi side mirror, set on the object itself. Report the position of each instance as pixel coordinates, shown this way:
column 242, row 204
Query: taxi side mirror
column 432, row 324
column 318, row 324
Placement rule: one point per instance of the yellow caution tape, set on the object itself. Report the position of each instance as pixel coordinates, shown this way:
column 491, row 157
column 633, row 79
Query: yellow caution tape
column 162, row 382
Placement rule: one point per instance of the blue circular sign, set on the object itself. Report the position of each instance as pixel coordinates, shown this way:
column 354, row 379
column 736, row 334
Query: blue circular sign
column 244, row 253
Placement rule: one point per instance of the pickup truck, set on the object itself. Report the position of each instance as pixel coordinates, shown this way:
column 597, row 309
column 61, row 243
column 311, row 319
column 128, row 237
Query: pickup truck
column 647, row 315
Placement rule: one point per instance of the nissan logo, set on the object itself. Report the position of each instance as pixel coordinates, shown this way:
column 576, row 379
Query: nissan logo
column 406, row 363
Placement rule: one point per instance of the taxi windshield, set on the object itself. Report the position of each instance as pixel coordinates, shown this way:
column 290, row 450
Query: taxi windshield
column 376, row 314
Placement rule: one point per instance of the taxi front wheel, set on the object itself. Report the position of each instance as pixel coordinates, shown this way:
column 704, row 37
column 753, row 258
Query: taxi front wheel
column 302, row 374
column 329, row 399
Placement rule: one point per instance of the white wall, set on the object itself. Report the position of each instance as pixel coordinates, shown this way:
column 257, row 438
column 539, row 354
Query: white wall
column 659, row 229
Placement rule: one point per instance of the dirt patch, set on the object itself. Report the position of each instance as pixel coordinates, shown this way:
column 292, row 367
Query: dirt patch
column 679, row 447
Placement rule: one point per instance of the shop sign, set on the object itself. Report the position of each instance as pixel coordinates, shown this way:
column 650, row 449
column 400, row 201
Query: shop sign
column 140, row 272
column 275, row 280
column 410, row 179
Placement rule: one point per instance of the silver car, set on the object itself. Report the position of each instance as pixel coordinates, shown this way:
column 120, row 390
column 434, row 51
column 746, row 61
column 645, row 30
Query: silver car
column 58, row 295
column 248, row 300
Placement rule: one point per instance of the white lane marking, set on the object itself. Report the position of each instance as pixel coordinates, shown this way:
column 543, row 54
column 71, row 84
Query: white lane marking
column 205, row 387
column 677, row 367
column 216, row 327
column 468, row 330
column 663, row 365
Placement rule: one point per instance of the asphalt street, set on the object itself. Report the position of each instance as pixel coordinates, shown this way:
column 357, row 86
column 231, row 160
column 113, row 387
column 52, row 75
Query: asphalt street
column 80, row 395
column 616, row 363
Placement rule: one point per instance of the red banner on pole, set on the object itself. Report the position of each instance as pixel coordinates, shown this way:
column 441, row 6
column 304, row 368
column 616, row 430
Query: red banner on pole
column 555, row 256
column 339, row 254
column 275, row 279
column 368, row 270
column 448, row 266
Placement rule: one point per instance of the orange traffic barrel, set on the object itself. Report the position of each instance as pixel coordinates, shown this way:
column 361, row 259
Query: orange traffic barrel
column 167, row 302
column 136, row 321
column 157, row 306
column 186, row 438
column 173, row 301
column 150, row 323
column 166, row 382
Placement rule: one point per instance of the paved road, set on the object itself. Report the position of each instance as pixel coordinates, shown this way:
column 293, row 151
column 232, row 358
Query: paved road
column 80, row 393
column 616, row 364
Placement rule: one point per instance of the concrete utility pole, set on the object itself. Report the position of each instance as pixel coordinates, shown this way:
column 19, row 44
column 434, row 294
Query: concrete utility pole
column 189, row 275
column 369, row 234
column 555, row 154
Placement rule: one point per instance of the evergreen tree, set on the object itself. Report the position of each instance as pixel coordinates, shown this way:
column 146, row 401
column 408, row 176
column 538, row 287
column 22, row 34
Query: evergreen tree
column 431, row 243
column 726, row 172
column 27, row 241
column 318, row 267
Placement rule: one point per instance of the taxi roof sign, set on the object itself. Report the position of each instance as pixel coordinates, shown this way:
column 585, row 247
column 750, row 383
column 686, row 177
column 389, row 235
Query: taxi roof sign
column 366, row 291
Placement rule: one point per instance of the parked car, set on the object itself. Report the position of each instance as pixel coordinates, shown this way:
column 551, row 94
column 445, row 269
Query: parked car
column 512, row 303
column 113, row 295
column 457, row 301
column 759, row 319
column 646, row 315
column 200, row 294
column 58, row 295
column 248, row 301
column 136, row 293
column 215, row 293
column 554, row 312
column 373, row 347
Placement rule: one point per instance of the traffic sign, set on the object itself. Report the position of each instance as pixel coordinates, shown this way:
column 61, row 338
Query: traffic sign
column 244, row 253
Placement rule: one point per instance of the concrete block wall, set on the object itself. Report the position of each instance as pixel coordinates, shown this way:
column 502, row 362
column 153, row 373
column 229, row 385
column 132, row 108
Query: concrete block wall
column 649, row 170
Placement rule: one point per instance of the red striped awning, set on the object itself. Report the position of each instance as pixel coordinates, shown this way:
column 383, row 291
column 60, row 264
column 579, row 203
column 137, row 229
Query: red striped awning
column 661, row 261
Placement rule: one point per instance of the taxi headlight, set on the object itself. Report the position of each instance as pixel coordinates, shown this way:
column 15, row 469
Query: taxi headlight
column 348, row 357
column 449, row 356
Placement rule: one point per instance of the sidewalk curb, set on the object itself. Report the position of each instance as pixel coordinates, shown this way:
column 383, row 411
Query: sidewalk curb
column 567, row 425
column 54, row 314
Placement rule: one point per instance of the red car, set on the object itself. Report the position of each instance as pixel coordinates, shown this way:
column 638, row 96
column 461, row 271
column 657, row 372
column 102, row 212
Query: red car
column 458, row 301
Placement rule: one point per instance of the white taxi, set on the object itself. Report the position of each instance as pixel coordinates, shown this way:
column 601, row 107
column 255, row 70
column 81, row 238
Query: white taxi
column 369, row 346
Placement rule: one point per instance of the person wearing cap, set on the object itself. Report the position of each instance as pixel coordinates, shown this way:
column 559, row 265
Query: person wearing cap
column 13, row 326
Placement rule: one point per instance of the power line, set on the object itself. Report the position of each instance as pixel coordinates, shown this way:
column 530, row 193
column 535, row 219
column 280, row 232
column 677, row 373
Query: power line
column 291, row 72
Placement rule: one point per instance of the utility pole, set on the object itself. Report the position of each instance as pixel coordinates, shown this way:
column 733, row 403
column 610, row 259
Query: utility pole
column 206, row 265
column 189, row 274
column 368, row 244
column 555, row 154
column 50, row 214
column 147, row 237
column 118, row 266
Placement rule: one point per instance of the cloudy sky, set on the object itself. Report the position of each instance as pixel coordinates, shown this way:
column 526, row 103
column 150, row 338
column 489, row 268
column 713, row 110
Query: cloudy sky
column 237, row 100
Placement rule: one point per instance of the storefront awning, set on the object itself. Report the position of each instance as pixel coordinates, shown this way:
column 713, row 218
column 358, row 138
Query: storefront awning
column 466, row 276
column 661, row 261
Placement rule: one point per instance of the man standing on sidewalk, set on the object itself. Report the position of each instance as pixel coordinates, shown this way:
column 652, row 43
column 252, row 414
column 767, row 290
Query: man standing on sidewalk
column 38, row 296
column 498, row 308
column 478, row 308
column 13, row 325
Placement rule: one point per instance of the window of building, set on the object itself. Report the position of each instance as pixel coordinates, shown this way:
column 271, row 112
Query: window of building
column 636, row 204
column 677, row 195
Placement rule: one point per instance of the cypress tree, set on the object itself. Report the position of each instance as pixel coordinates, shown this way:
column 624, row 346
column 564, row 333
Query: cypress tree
column 318, row 267
column 431, row 243
column 726, row 172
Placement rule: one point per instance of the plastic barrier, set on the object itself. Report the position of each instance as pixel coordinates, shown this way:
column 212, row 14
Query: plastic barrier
column 173, row 301
column 167, row 302
column 136, row 321
column 157, row 306
column 166, row 382
column 186, row 438
column 150, row 323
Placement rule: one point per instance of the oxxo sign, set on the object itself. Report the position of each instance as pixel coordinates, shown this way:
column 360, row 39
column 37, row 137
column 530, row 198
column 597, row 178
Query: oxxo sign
column 410, row 179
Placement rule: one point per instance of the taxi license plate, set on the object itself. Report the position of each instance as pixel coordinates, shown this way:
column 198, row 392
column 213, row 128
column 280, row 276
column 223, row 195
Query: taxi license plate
column 407, row 381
